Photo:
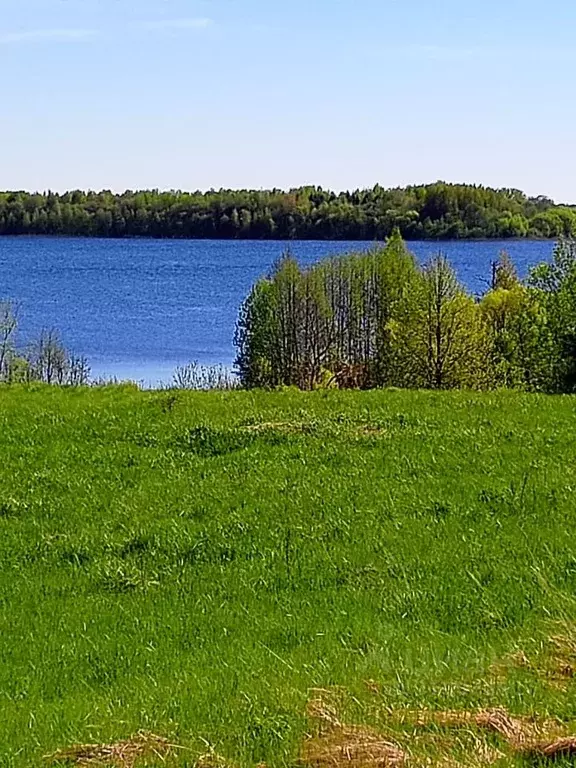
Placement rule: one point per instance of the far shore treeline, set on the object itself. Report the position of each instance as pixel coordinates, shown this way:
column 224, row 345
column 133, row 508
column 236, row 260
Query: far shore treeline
column 436, row 211
column 379, row 319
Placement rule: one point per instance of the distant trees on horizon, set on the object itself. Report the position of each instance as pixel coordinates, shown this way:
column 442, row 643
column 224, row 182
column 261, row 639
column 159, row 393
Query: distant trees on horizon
column 435, row 211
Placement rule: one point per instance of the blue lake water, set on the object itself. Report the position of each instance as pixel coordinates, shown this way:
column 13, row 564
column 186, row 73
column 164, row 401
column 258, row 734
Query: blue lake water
column 138, row 308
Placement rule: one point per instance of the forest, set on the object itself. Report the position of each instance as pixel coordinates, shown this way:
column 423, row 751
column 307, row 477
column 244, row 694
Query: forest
column 429, row 212
column 379, row 319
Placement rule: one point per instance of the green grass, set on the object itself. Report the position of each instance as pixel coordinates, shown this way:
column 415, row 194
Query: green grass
column 193, row 564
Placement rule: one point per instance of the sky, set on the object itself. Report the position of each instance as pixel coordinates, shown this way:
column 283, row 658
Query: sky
column 200, row 94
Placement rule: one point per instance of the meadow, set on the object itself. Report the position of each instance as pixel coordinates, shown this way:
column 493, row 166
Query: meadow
column 248, row 574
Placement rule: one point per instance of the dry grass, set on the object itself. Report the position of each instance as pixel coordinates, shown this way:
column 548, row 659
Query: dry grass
column 525, row 737
column 352, row 746
column 337, row 744
column 562, row 747
column 121, row 754
column 555, row 662
column 512, row 729
column 562, row 656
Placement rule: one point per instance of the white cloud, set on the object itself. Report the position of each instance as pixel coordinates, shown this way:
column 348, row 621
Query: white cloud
column 194, row 23
column 39, row 35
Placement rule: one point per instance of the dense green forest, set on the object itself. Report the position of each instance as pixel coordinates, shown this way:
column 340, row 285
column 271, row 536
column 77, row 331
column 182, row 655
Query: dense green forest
column 436, row 211
column 381, row 320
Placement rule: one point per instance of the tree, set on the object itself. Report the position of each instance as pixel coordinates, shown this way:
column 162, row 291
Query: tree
column 504, row 273
column 446, row 344
column 438, row 211
column 258, row 360
column 8, row 328
column 377, row 319
column 48, row 361
column 397, row 281
column 555, row 287
column 516, row 326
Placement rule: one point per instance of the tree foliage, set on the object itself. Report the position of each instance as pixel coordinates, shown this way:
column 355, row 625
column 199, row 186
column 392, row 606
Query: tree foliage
column 435, row 211
column 377, row 320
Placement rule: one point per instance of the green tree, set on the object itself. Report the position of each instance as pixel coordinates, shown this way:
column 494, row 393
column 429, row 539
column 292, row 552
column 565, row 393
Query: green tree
column 446, row 345
column 555, row 286
column 437, row 211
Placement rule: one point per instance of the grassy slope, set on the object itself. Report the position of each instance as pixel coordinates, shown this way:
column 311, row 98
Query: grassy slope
column 164, row 568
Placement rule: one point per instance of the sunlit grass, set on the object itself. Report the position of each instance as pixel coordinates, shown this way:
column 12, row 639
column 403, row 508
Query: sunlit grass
column 193, row 564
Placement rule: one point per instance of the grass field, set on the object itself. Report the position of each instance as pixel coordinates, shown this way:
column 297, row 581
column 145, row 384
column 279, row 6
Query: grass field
column 202, row 566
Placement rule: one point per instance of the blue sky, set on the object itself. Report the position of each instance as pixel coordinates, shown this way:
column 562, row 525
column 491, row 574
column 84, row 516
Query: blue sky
column 258, row 93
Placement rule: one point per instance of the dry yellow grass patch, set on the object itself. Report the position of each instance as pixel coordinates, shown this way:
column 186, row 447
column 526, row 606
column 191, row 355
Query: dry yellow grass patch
column 555, row 662
column 337, row 744
column 512, row 729
column 461, row 741
column 353, row 746
column 562, row 747
column 563, row 656
column 524, row 736
column 121, row 754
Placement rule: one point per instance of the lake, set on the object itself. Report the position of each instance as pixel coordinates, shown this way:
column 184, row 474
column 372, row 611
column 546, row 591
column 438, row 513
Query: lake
column 138, row 308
